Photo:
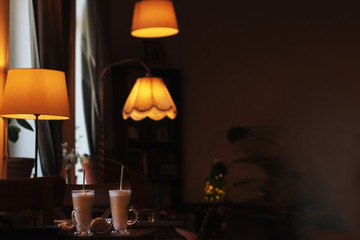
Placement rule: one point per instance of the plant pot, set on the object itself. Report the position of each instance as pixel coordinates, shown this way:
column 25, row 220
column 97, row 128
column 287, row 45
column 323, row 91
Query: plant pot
column 91, row 169
column 19, row 167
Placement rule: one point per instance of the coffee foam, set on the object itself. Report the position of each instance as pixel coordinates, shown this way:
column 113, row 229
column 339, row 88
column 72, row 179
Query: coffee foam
column 120, row 193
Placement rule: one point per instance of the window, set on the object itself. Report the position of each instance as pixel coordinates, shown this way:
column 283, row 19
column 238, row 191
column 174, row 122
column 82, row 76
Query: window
column 81, row 143
column 22, row 54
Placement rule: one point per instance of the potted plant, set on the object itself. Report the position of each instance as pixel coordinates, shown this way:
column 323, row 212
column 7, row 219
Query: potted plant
column 91, row 166
column 16, row 166
column 13, row 131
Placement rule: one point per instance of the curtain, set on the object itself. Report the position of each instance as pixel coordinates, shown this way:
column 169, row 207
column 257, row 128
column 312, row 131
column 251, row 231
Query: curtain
column 89, row 79
column 53, row 24
column 94, row 54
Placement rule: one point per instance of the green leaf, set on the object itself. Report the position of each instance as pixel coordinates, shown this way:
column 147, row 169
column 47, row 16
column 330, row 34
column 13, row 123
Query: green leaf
column 13, row 133
column 218, row 168
column 24, row 124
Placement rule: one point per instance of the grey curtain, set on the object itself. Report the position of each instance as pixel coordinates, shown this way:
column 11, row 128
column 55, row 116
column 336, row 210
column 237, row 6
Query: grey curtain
column 89, row 79
column 53, row 21
column 94, row 54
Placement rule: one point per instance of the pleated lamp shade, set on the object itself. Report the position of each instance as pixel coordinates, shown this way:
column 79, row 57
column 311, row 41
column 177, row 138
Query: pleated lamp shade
column 154, row 19
column 30, row 91
column 149, row 98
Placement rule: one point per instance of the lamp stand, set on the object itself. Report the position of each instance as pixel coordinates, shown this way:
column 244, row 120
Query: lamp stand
column 101, row 120
column 36, row 143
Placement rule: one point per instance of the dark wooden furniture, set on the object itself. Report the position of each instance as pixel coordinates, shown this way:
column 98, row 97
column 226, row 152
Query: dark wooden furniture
column 133, row 234
column 29, row 201
column 165, row 228
column 152, row 147
column 54, row 233
column 243, row 220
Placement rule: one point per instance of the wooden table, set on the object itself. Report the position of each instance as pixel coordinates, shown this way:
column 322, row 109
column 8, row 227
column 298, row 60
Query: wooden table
column 160, row 229
column 55, row 233
column 138, row 233
column 159, row 224
column 164, row 228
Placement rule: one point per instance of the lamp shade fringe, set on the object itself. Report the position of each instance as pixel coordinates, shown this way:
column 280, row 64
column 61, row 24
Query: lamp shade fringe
column 149, row 98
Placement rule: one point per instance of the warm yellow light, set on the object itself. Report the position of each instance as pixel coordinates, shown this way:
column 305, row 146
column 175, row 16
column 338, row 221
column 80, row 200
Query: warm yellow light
column 149, row 98
column 30, row 91
column 153, row 19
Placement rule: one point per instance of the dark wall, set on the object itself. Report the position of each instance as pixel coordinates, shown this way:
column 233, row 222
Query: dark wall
column 289, row 71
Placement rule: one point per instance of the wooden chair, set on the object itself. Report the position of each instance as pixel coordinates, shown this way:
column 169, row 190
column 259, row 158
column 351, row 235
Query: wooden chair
column 31, row 201
column 101, row 198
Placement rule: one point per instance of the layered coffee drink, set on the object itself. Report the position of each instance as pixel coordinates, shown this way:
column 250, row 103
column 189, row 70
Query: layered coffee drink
column 120, row 207
column 83, row 205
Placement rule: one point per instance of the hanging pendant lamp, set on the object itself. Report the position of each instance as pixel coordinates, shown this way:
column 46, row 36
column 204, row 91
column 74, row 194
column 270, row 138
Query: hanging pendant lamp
column 154, row 19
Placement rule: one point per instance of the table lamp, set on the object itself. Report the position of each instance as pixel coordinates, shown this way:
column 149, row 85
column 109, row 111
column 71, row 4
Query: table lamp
column 154, row 19
column 35, row 93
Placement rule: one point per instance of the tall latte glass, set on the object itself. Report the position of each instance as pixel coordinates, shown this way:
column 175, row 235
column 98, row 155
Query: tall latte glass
column 120, row 208
column 83, row 201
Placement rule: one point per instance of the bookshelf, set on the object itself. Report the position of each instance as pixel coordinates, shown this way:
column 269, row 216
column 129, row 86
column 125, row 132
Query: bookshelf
column 152, row 147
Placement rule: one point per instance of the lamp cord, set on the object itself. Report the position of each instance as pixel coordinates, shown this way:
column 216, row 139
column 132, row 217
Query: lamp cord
column 123, row 62
column 104, row 71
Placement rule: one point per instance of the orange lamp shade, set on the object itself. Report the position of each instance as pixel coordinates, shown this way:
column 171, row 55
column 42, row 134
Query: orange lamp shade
column 153, row 19
column 30, row 91
column 149, row 98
